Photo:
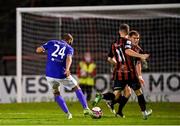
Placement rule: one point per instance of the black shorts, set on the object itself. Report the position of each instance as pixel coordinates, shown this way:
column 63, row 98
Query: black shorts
column 120, row 85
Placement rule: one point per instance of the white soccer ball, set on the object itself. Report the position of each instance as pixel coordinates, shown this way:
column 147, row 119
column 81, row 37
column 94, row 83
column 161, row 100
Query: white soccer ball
column 97, row 112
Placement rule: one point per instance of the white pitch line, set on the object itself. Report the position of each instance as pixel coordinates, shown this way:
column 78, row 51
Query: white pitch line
column 34, row 114
column 27, row 114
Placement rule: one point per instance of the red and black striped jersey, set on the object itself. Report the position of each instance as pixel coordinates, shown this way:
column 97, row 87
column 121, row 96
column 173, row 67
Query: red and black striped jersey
column 125, row 68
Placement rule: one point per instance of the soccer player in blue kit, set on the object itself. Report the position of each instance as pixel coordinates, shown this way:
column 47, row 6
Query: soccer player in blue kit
column 59, row 59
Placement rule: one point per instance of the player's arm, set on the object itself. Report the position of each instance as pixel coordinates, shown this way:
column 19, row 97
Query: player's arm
column 70, row 52
column 44, row 47
column 68, row 64
column 144, row 63
column 111, row 58
column 39, row 49
column 139, row 72
column 138, row 68
column 132, row 53
column 112, row 61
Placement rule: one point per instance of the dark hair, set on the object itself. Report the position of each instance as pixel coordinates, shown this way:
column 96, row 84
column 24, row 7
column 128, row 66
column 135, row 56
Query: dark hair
column 133, row 32
column 67, row 37
column 124, row 28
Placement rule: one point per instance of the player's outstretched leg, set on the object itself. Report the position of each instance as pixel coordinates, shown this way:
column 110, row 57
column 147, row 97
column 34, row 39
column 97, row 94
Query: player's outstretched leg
column 146, row 114
column 109, row 96
column 110, row 105
column 142, row 104
column 62, row 104
column 122, row 102
column 97, row 99
column 83, row 101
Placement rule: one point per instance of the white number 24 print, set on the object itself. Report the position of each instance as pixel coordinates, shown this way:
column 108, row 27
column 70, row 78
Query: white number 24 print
column 59, row 51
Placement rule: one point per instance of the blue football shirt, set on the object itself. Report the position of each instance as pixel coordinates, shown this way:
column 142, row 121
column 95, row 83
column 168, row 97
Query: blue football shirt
column 57, row 51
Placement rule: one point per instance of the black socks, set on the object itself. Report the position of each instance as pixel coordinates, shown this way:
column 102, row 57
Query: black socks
column 108, row 96
column 122, row 101
column 142, row 102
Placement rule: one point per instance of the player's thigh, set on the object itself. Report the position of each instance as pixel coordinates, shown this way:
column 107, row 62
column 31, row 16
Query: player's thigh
column 135, row 85
column 127, row 91
column 118, row 87
column 53, row 83
column 69, row 82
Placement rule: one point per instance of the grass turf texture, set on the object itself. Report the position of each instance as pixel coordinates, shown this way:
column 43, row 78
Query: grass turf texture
column 50, row 114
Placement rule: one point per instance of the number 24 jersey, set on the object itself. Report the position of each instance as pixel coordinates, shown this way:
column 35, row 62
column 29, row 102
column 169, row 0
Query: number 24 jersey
column 57, row 51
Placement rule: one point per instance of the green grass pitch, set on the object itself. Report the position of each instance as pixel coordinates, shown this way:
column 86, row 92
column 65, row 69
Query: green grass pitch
column 50, row 114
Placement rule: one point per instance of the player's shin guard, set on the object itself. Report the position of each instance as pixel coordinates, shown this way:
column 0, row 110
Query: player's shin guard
column 122, row 102
column 81, row 98
column 62, row 103
column 142, row 102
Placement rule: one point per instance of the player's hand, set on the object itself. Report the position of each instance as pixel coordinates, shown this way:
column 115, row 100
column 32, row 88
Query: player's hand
column 40, row 50
column 144, row 64
column 67, row 72
column 141, row 80
column 144, row 56
column 112, row 61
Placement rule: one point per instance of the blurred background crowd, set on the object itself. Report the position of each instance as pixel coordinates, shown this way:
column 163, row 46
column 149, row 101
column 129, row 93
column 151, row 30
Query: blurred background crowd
column 8, row 22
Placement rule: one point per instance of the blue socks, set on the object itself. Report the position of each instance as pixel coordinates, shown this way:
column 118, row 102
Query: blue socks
column 81, row 98
column 62, row 103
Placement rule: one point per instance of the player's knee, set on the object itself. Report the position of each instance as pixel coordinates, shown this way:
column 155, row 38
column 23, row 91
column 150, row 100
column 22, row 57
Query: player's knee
column 56, row 90
column 56, row 93
column 117, row 94
column 77, row 87
column 127, row 92
column 138, row 92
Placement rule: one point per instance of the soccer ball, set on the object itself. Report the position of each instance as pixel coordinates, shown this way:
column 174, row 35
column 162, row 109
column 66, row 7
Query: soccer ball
column 97, row 112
